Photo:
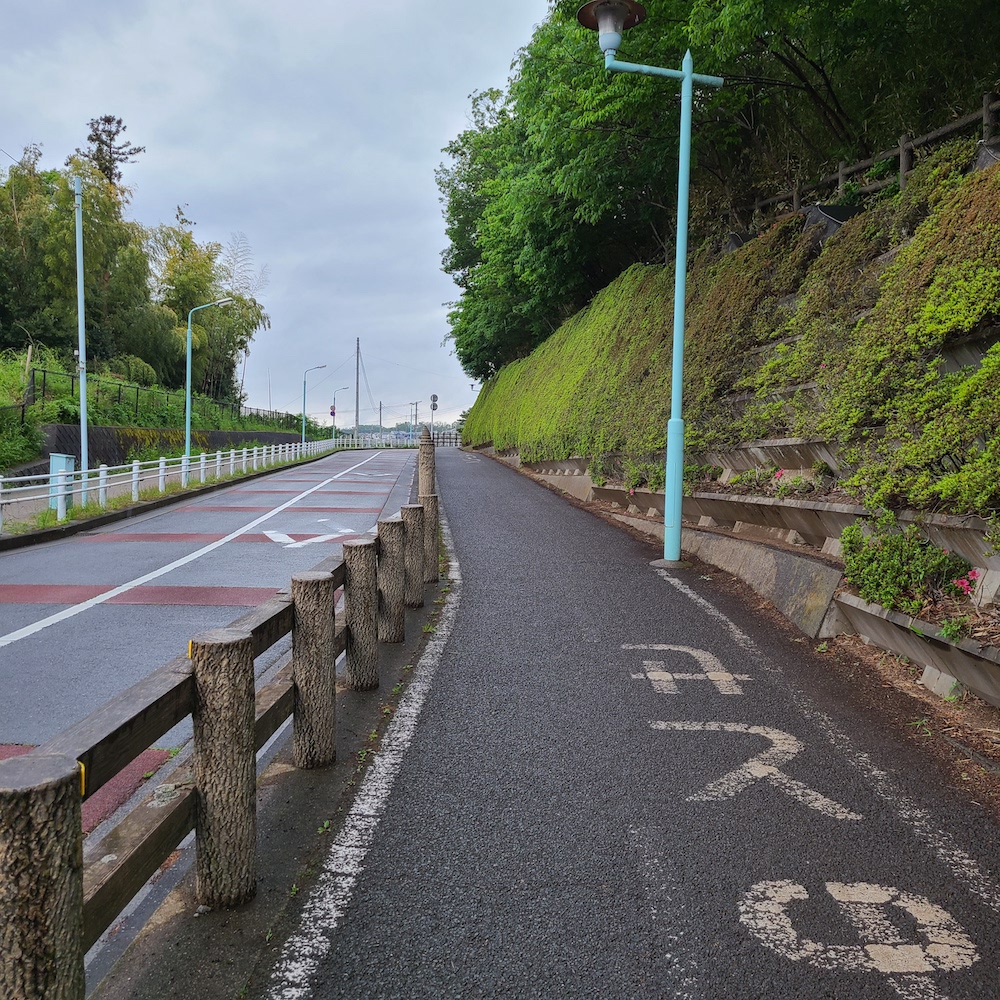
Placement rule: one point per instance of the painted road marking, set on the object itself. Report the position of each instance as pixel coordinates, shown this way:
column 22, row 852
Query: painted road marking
column 665, row 682
column 330, row 897
column 942, row 945
column 290, row 543
column 23, row 633
column 763, row 767
column 963, row 866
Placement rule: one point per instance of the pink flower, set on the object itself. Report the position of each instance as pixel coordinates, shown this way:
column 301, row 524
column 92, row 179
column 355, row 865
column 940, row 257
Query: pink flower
column 972, row 574
column 779, row 473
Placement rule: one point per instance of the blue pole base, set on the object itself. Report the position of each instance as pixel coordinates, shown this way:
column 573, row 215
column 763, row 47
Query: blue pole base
column 673, row 493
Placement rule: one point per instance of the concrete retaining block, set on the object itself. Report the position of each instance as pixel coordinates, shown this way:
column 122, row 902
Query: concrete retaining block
column 972, row 665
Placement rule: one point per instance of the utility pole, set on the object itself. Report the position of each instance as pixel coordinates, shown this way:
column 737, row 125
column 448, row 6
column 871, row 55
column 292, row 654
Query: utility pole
column 380, row 421
column 357, row 390
column 81, row 339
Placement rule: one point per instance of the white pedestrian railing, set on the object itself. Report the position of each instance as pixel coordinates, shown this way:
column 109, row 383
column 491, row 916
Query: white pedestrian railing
column 23, row 496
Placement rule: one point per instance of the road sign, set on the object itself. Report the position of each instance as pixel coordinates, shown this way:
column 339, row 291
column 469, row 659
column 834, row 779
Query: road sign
column 434, row 398
column 333, row 411
column 434, row 406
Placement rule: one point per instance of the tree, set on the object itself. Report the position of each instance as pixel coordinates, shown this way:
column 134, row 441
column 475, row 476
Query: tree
column 107, row 149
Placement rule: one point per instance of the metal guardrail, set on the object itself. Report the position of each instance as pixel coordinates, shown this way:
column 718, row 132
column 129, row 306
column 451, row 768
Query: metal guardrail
column 62, row 489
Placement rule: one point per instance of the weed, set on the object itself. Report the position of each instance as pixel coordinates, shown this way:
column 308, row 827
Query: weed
column 922, row 726
column 373, row 735
column 429, row 628
column 148, row 775
column 823, row 647
column 325, row 827
column 397, row 688
column 294, row 891
column 955, row 628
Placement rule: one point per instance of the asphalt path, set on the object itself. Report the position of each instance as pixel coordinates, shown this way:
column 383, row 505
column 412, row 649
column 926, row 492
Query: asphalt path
column 612, row 780
column 85, row 617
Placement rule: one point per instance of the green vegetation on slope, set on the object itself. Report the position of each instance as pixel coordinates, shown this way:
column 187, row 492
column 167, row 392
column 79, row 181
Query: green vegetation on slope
column 568, row 176
column 790, row 338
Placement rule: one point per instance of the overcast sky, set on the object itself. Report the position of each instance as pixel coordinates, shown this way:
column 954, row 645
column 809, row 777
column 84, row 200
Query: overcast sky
column 315, row 131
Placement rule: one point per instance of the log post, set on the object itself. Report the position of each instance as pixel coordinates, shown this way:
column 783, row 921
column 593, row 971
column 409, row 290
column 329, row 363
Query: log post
column 413, row 560
column 430, row 505
column 361, row 613
column 225, row 767
column 41, row 879
column 314, row 670
column 425, row 464
column 391, row 580
column 905, row 159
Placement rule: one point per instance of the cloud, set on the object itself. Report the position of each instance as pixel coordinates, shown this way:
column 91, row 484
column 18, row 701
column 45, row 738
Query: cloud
column 314, row 130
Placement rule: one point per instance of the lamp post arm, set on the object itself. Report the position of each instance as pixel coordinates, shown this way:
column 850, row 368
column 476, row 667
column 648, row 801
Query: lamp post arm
column 612, row 64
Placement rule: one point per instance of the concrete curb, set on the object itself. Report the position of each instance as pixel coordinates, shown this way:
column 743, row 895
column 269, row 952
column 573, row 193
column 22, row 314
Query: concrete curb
column 800, row 587
column 10, row 541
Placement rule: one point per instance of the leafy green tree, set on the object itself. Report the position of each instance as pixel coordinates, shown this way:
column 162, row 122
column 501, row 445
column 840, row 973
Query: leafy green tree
column 107, row 150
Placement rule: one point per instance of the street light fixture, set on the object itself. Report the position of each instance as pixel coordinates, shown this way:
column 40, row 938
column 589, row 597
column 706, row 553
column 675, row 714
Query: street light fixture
column 187, row 390
column 315, row 368
column 610, row 18
column 333, row 412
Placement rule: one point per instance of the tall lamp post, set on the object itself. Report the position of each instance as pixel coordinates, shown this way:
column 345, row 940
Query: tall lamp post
column 187, row 389
column 315, row 368
column 81, row 341
column 610, row 18
column 333, row 412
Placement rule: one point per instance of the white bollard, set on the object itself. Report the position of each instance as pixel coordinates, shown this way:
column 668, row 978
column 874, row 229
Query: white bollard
column 255, row 458
column 232, row 462
column 102, row 486
column 135, row 481
column 218, row 464
column 244, row 460
column 202, row 467
column 185, row 470
column 61, row 495
column 163, row 475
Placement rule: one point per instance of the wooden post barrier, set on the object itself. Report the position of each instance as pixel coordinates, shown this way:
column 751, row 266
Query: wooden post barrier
column 905, row 159
column 361, row 614
column 430, row 505
column 413, row 559
column 425, row 465
column 391, row 580
column 314, row 670
column 41, row 879
column 225, row 767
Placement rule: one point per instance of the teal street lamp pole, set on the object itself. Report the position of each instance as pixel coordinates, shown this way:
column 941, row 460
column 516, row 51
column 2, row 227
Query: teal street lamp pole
column 333, row 412
column 610, row 18
column 187, row 390
column 315, row 368
column 81, row 341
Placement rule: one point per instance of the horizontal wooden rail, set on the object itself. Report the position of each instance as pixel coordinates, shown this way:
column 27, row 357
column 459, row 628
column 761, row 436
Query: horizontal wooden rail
column 985, row 117
column 115, row 734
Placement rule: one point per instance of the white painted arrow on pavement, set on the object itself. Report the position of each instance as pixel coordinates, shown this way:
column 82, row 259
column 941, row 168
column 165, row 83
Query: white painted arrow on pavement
column 763, row 767
column 665, row 682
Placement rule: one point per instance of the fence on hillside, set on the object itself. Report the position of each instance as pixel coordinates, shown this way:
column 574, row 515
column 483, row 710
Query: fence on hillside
column 44, row 384
column 41, row 792
column 902, row 154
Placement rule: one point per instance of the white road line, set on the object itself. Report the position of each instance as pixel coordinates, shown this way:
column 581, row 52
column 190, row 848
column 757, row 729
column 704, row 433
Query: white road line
column 963, row 867
column 76, row 609
column 344, row 864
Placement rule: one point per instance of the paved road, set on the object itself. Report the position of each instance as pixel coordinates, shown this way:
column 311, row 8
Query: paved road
column 623, row 784
column 83, row 618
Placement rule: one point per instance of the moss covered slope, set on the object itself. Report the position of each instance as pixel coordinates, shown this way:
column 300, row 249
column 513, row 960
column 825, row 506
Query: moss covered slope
column 842, row 339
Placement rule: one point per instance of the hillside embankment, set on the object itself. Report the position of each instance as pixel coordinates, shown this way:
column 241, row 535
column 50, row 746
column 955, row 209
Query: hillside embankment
column 879, row 337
